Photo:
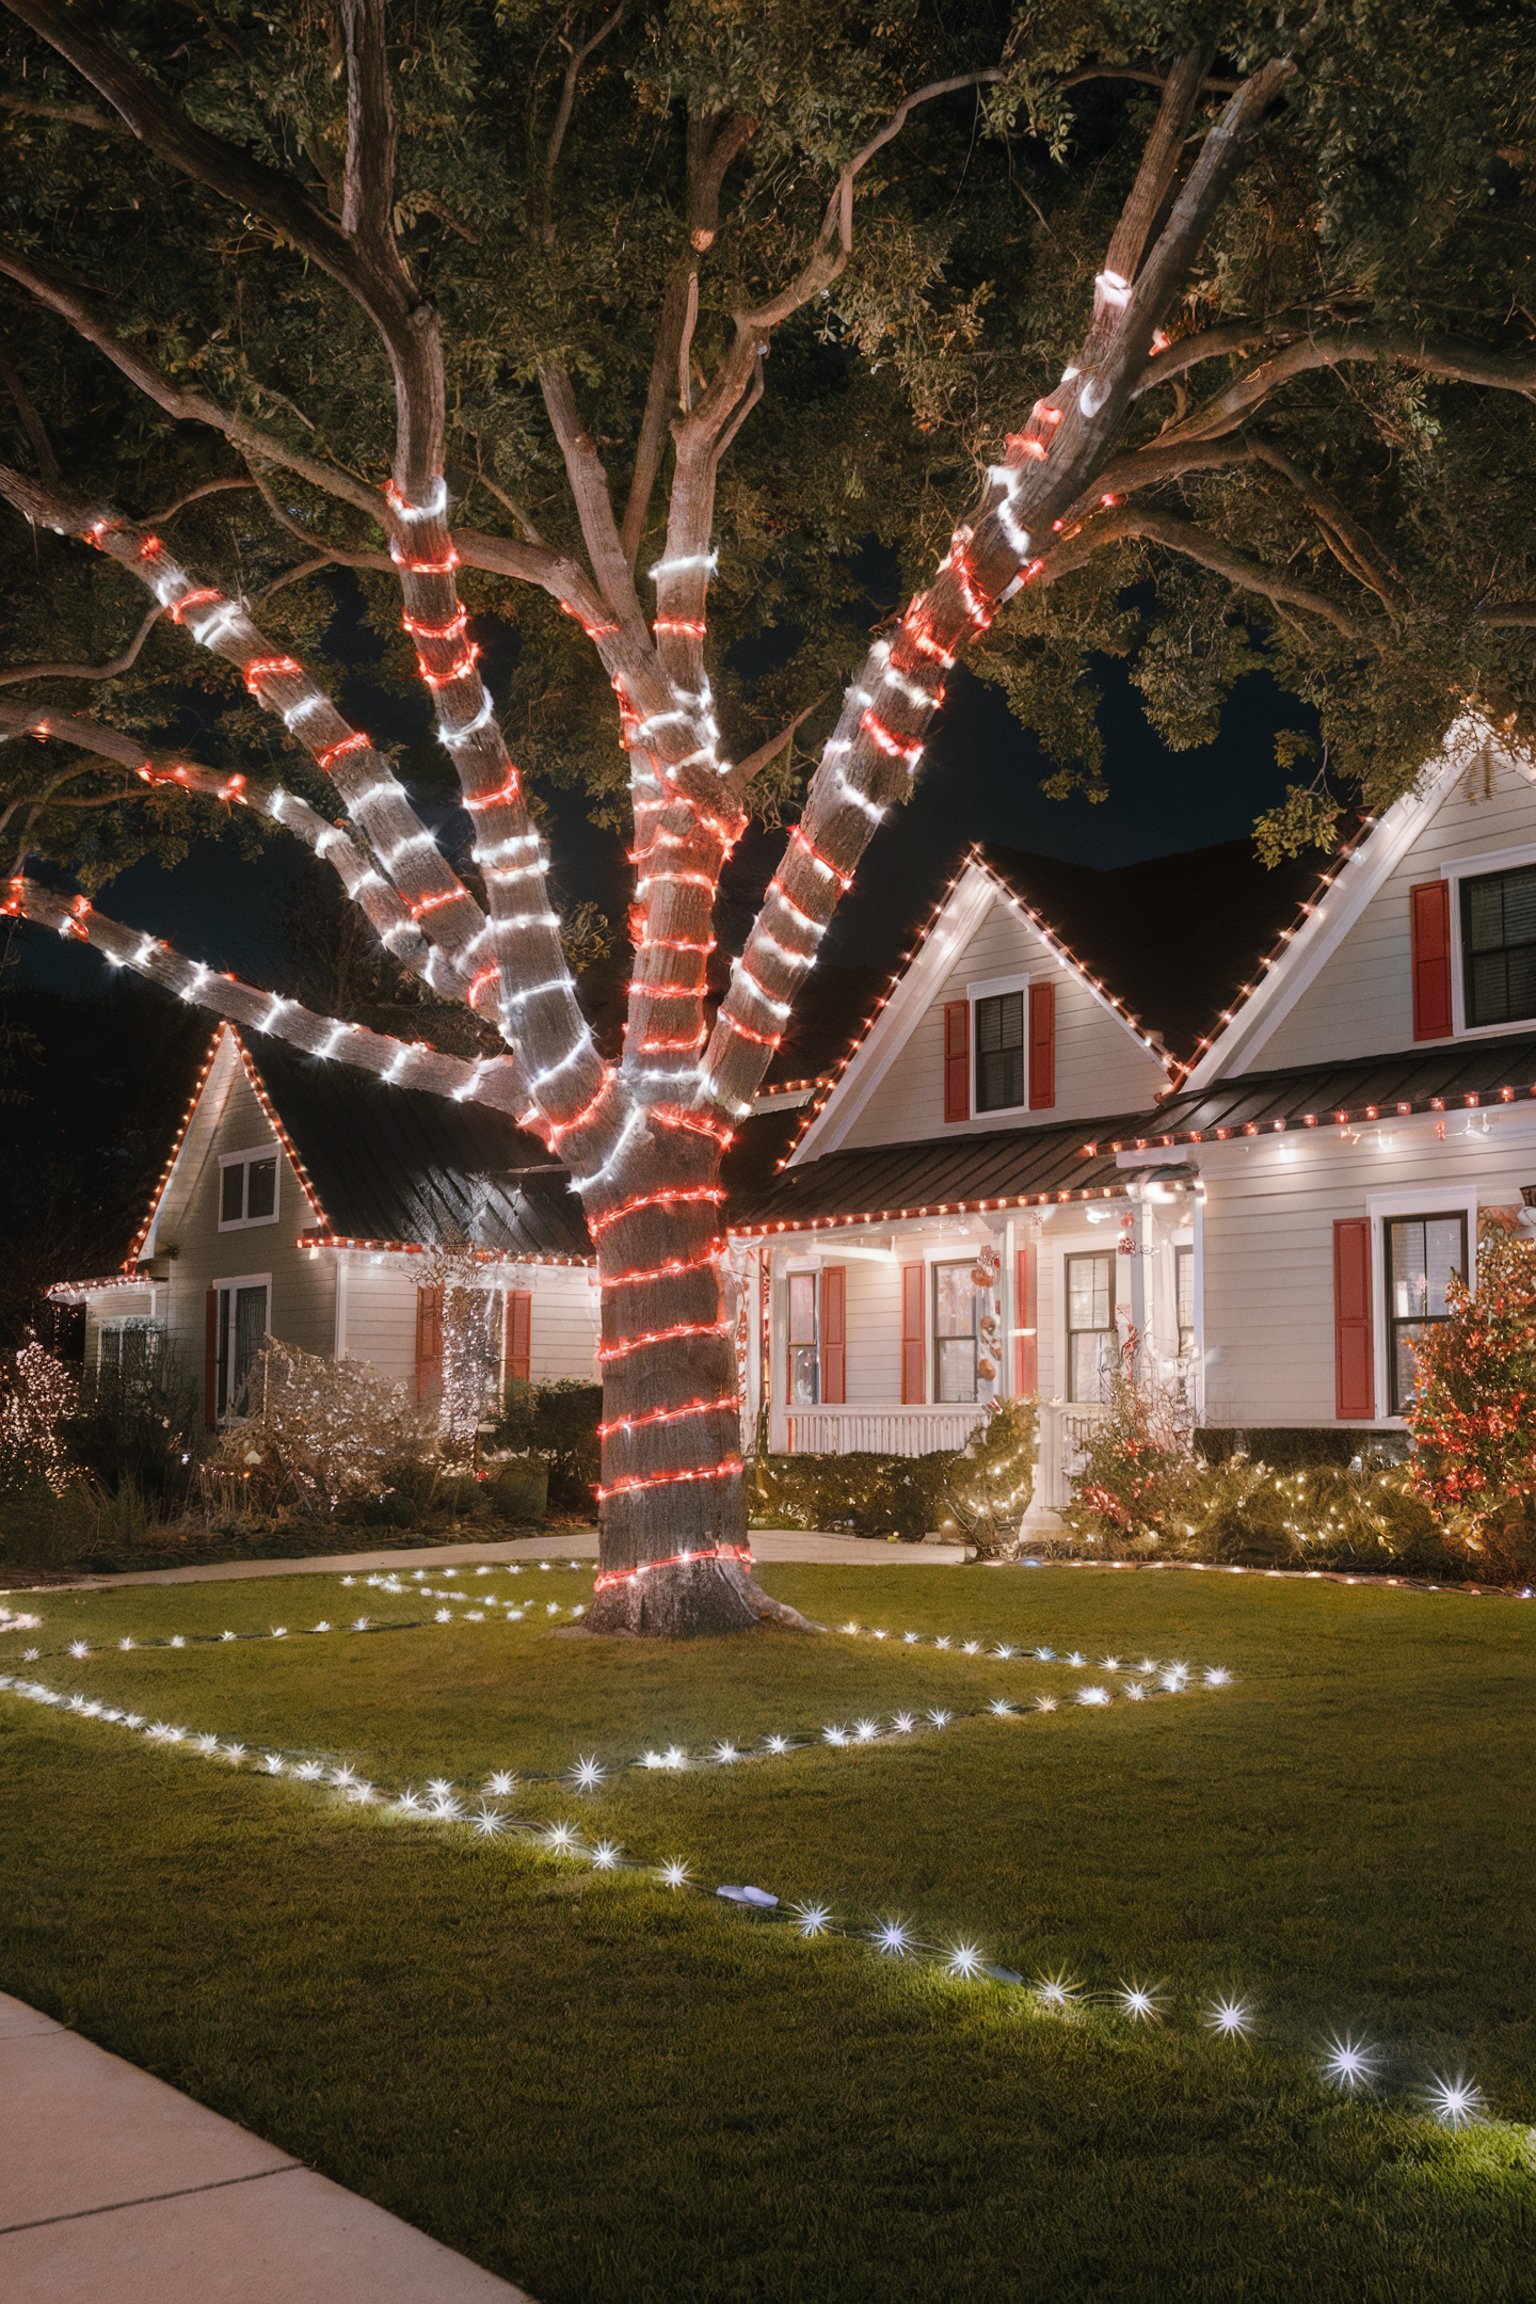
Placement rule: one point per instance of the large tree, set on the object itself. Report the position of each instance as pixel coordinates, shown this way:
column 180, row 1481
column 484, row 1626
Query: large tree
column 1214, row 322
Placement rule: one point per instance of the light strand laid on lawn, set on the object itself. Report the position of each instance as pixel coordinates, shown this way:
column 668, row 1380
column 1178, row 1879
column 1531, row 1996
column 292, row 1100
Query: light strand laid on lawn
column 1351, row 2066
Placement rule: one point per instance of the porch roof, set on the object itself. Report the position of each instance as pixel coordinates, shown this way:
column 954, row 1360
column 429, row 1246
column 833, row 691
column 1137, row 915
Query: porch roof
column 1457, row 1076
column 939, row 1176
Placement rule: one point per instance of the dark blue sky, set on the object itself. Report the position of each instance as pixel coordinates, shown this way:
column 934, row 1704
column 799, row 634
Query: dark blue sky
column 981, row 781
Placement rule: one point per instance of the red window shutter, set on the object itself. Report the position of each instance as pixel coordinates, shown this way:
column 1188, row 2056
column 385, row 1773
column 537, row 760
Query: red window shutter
column 957, row 1059
column 914, row 1332
column 519, row 1335
column 211, row 1360
column 1429, row 917
column 1354, row 1352
column 834, row 1334
column 1042, row 1047
column 1026, row 1314
column 429, row 1344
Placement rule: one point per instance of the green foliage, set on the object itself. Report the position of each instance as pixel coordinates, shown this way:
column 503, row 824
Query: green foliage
column 1392, row 187
column 992, row 1480
column 862, row 1494
column 557, row 1422
column 1473, row 1417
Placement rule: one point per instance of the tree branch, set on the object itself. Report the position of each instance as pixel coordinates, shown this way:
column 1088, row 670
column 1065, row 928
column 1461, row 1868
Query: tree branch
column 404, row 1063
column 594, row 504
column 1239, row 569
column 563, row 111
column 13, row 676
column 62, row 298
column 1453, row 359
column 31, row 422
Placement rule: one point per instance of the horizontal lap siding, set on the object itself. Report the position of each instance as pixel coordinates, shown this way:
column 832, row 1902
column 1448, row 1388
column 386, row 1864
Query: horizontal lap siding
column 1361, row 1001
column 874, row 1332
column 1268, row 1253
column 379, row 1325
column 302, row 1302
column 1099, row 1067
column 380, row 1321
column 564, row 1327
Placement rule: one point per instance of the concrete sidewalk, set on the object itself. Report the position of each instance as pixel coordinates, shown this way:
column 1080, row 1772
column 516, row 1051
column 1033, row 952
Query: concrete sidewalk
column 768, row 1545
column 116, row 2189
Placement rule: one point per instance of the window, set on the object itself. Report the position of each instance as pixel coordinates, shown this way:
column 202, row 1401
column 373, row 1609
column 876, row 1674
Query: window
column 1498, row 946
column 247, row 1189
column 239, row 1326
column 1184, row 1299
column 802, row 1340
column 128, row 1351
column 1421, row 1254
column 1000, row 1052
column 955, row 1298
column 1090, row 1326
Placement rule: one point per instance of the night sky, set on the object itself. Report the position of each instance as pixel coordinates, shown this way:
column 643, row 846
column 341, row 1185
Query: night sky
column 981, row 781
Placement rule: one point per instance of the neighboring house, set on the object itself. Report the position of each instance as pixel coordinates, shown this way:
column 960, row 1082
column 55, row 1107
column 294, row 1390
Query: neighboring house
column 306, row 1201
column 1248, row 1115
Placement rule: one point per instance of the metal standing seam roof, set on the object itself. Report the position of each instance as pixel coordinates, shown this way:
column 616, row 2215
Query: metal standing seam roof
column 392, row 1164
column 1456, row 1076
column 938, row 1175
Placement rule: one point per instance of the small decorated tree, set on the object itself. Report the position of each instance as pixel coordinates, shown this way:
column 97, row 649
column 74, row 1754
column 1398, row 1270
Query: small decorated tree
column 1474, row 1417
column 36, row 1403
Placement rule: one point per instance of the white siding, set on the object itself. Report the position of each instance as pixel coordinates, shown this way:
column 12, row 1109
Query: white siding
column 1360, row 1003
column 1101, row 1068
column 1269, row 1214
column 379, row 1317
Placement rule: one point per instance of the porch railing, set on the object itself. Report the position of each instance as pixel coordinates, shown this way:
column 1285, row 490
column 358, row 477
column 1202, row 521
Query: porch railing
column 876, row 1431
column 1066, row 1427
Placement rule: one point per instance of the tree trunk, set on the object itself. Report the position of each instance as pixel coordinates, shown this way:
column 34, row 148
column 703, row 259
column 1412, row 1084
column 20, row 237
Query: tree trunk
column 674, row 1560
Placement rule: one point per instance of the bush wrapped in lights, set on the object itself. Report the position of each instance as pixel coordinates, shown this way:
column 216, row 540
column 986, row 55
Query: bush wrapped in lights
column 993, row 1478
column 1473, row 1418
column 320, row 1433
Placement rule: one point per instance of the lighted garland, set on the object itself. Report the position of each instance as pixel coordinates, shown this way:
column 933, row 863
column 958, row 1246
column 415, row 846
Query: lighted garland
column 1354, row 2067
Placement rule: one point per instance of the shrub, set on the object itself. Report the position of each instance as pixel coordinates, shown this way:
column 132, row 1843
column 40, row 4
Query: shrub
column 989, row 1487
column 865, row 1495
column 137, row 1429
column 517, row 1487
column 320, row 1432
column 1473, row 1417
column 558, row 1422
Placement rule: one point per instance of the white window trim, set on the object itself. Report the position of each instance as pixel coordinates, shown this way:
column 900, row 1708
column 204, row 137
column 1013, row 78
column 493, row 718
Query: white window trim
column 799, row 1271
column 1095, row 1243
column 1380, row 1207
column 241, row 1280
column 1477, row 868
column 268, row 1151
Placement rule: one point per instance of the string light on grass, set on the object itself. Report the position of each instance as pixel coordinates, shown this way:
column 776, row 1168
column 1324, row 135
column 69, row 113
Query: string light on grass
column 811, row 1919
column 1141, row 2002
column 588, row 1775
column 1057, row 1992
column 674, row 1874
column 964, row 1961
column 1454, row 2101
column 894, row 1937
column 1349, row 2064
column 1231, row 2019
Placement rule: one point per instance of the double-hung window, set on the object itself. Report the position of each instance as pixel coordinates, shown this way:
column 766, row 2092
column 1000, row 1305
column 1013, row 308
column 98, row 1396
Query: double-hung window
column 247, row 1188
column 1000, row 1052
column 955, row 1301
column 1090, row 1293
column 1498, row 946
column 1421, row 1253
column 804, row 1371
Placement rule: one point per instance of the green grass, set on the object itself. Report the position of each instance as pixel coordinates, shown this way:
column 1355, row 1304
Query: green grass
column 609, row 2092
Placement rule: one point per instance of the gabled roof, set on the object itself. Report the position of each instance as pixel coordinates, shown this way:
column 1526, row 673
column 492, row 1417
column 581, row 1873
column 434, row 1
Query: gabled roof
column 1459, row 1076
column 870, row 1183
column 387, row 1166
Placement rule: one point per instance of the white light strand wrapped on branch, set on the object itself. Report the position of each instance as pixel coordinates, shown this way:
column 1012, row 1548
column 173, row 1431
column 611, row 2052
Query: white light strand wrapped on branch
column 411, row 1064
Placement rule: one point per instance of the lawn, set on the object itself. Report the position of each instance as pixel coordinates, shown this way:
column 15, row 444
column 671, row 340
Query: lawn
column 608, row 2090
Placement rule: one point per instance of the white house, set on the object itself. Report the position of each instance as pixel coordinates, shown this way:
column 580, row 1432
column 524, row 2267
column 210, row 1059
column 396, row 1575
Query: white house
column 300, row 1200
column 1252, row 1116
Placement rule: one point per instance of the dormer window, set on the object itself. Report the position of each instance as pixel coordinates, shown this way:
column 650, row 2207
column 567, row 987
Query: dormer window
column 1000, row 1052
column 1498, row 946
column 247, row 1189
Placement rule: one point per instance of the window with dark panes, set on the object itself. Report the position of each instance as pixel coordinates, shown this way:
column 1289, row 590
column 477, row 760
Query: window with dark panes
column 247, row 1189
column 1090, row 1326
column 803, row 1371
column 1498, row 946
column 1421, row 1254
column 955, row 1298
column 241, row 1326
column 1000, row 1052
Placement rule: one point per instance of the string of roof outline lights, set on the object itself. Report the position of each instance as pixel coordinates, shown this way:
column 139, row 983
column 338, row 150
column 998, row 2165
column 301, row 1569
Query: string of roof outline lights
column 1054, row 943
column 1470, row 1100
column 1356, row 2067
